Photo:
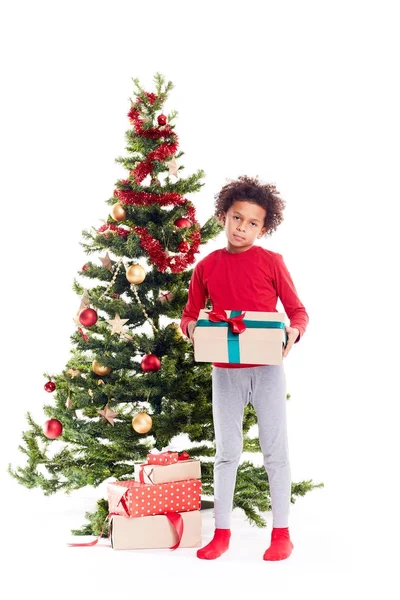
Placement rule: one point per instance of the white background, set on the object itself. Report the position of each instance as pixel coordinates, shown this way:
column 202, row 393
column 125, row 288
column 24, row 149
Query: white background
column 303, row 94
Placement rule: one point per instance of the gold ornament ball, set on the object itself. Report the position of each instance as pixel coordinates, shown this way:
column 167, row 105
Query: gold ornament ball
column 176, row 329
column 142, row 422
column 100, row 369
column 135, row 274
column 118, row 212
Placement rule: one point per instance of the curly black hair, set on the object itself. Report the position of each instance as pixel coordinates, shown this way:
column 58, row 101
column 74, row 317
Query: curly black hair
column 252, row 190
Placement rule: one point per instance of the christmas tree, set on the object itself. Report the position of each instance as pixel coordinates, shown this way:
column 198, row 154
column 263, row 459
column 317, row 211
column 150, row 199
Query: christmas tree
column 131, row 383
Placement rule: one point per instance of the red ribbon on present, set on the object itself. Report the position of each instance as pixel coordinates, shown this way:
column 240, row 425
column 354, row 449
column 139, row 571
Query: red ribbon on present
column 93, row 542
column 177, row 523
column 235, row 323
column 141, row 473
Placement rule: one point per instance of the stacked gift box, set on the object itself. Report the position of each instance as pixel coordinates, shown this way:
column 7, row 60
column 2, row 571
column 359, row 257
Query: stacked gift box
column 160, row 508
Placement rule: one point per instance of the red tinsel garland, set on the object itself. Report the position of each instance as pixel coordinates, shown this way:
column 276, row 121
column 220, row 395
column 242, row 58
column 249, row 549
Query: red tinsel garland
column 151, row 97
column 146, row 198
column 157, row 254
column 165, row 150
column 110, row 227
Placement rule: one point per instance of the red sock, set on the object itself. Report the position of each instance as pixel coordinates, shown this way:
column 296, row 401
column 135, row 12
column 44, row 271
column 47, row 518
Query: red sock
column 218, row 545
column 281, row 546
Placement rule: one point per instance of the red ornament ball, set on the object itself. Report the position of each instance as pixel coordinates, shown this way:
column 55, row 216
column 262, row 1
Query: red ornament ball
column 52, row 429
column 150, row 362
column 88, row 317
column 84, row 268
column 182, row 223
column 162, row 119
column 50, row 386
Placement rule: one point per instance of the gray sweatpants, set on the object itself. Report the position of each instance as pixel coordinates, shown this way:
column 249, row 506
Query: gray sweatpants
column 265, row 388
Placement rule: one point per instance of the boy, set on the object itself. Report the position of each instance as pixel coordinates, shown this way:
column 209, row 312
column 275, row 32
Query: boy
column 244, row 276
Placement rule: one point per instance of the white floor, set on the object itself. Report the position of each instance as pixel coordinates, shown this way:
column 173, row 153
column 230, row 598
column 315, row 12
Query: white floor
column 324, row 563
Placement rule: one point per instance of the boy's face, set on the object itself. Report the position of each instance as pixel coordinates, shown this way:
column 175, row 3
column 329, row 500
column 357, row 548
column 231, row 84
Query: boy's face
column 244, row 224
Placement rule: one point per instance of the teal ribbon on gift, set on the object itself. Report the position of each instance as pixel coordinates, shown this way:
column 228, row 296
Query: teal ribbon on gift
column 233, row 338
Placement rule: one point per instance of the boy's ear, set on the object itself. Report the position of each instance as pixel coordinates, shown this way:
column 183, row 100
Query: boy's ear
column 222, row 218
column 262, row 233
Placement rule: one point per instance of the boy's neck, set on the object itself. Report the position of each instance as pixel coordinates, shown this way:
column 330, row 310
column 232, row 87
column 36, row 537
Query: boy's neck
column 234, row 250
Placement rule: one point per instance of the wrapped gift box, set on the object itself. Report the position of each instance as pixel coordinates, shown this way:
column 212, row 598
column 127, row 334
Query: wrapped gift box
column 183, row 469
column 162, row 458
column 154, row 532
column 237, row 337
column 135, row 499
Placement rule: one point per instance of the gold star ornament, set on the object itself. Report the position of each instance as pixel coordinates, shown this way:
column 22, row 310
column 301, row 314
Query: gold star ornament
column 106, row 260
column 173, row 167
column 117, row 324
column 85, row 301
column 108, row 414
column 73, row 372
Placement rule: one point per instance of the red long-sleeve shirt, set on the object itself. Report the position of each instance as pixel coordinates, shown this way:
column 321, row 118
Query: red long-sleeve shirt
column 252, row 280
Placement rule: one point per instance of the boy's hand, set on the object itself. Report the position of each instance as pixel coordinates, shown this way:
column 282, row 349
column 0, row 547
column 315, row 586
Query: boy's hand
column 190, row 328
column 292, row 333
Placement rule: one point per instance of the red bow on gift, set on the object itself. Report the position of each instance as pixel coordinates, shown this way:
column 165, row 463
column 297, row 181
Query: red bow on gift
column 184, row 456
column 235, row 323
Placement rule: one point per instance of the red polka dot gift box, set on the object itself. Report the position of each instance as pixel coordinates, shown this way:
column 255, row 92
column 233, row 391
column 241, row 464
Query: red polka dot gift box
column 134, row 499
column 162, row 458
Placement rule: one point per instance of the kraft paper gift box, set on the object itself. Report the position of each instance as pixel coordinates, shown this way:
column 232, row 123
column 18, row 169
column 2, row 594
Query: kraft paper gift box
column 154, row 532
column 183, row 469
column 240, row 337
column 134, row 499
